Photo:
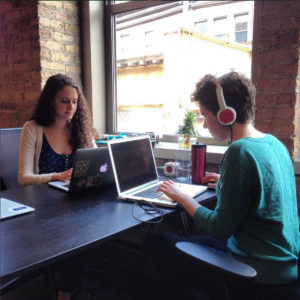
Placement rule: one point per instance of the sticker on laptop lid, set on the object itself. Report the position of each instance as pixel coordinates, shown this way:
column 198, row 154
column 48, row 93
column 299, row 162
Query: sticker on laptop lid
column 81, row 168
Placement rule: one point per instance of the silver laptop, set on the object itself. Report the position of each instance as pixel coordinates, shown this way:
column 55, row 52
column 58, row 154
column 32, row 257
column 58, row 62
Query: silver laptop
column 91, row 170
column 136, row 174
column 11, row 208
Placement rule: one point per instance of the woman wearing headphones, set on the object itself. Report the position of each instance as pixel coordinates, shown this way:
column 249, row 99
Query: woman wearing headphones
column 255, row 219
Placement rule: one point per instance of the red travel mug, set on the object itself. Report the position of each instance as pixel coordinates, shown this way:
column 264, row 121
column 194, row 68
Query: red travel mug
column 198, row 162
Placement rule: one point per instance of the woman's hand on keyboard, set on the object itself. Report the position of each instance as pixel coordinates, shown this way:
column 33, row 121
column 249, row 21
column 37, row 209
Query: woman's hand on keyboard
column 62, row 176
column 173, row 192
column 211, row 179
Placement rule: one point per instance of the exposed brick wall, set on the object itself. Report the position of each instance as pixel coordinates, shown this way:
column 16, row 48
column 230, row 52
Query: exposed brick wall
column 20, row 72
column 278, row 77
column 59, row 38
column 278, row 84
column 38, row 39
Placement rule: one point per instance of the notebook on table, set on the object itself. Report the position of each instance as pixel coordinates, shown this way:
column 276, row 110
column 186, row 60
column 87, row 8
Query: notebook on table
column 91, row 170
column 136, row 174
column 11, row 208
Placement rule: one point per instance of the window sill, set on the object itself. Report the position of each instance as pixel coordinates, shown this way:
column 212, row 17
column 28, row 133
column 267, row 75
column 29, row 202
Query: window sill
column 165, row 150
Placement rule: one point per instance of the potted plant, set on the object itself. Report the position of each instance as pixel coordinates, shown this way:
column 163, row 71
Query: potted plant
column 187, row 132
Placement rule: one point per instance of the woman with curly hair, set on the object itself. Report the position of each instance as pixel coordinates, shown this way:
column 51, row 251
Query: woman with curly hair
column 60, row 124
column 255, row 219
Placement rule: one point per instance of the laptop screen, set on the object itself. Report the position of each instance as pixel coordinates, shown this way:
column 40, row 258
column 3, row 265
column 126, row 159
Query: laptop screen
column 134, row 163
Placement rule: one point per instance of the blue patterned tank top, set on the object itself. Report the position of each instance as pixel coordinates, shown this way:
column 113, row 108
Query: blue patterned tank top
column 50, row 161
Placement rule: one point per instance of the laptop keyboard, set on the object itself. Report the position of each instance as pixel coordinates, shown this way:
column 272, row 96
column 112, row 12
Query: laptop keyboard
column 151, row 193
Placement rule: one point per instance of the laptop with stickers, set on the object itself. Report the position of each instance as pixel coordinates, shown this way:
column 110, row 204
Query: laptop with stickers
column 91, row 170
column 136, row 174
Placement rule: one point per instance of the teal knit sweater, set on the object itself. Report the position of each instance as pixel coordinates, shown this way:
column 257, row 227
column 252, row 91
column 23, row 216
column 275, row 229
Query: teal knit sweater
column 257, row 208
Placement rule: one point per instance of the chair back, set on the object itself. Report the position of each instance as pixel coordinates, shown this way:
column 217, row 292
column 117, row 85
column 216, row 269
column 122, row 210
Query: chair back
column 9, row 156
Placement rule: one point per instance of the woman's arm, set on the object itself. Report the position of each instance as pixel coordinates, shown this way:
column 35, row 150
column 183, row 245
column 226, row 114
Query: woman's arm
column 235, row 191
column 27, row 153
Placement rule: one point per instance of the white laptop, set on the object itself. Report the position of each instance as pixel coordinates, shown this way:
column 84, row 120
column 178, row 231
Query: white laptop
column 91, row 170
column 136, row 174
column 11, row 208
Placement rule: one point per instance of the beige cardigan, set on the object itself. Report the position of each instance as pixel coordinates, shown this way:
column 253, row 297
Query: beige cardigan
column 30, row 150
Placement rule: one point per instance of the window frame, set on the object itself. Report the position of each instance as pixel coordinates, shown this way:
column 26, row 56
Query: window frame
column 110, row 10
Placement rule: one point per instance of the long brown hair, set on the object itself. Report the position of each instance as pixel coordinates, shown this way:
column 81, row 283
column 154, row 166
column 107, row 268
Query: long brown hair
column 80, row 125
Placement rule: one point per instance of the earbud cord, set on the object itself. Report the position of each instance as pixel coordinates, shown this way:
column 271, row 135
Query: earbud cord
column 231, row 133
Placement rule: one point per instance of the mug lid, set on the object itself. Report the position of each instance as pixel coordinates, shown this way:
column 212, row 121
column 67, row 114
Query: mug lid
column 198, row 145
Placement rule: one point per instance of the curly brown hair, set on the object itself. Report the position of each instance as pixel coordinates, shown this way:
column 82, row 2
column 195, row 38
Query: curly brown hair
column 80, row 125
column 239, row 93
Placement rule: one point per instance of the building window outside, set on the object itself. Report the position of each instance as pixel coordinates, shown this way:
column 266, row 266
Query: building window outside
column 125, row 43
column 241, row 28
column 201, row 26
column 150, row 42
column 220, row 27
column 159, row 56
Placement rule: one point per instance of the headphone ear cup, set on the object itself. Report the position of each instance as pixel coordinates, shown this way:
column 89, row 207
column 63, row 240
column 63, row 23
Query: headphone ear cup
column 226, row 116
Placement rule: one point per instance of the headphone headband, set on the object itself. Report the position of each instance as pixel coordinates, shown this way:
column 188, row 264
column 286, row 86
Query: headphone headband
column 226, row 114
column 220, row 95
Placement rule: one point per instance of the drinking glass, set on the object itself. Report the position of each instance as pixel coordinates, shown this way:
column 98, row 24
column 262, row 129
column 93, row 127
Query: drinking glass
column 183, row 166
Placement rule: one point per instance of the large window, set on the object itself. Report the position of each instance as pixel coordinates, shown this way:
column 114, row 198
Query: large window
column 158, row 50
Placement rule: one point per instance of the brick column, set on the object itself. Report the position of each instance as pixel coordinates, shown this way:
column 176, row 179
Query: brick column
column 20, row 73
column 37, row 39
column 278, row 72
column 59, row 38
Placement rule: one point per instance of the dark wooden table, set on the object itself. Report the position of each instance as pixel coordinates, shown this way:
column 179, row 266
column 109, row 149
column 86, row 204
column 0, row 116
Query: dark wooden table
column 62, row 225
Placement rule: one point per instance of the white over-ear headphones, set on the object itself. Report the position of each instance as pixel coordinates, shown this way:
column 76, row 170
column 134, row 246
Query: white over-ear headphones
column 226, row 114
